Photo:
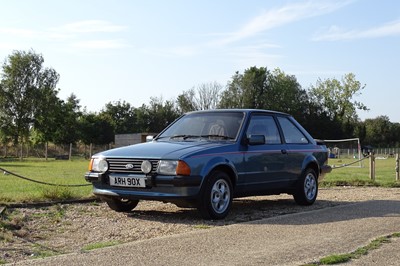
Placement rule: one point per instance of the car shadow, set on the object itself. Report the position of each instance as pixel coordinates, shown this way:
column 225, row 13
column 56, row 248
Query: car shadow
column 243, row 210
column 343, row 212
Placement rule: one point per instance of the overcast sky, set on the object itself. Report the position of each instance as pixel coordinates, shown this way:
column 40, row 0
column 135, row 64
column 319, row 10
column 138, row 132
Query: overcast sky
column 107, row 51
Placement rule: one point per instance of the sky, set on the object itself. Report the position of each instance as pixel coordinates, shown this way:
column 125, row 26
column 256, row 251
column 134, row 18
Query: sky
column 128, row 50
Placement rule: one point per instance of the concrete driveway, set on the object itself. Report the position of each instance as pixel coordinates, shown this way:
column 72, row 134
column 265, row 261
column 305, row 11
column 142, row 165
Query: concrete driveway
column 292, row 239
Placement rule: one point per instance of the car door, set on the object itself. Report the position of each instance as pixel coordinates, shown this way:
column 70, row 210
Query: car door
column 265, row 160
column 298, row 146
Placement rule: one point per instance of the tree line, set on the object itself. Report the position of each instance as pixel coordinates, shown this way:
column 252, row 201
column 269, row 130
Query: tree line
column 31, row 111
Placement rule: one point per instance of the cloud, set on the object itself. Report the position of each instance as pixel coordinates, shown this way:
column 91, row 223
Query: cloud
column 72, row 34
column 91, row 26
column 26, row 33
column 335, row 33
column 100, row 44
column 281, row 16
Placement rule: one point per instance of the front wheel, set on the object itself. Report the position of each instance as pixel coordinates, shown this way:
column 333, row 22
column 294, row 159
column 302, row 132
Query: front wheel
column 121, row 205
column 307, row 188
column 216, row 197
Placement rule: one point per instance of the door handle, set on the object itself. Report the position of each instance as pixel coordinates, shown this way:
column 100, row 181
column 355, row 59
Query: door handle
column 284, row 151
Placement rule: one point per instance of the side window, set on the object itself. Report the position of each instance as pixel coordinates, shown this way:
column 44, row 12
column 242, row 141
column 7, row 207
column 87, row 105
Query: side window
column 291, row 133
column 264, row 125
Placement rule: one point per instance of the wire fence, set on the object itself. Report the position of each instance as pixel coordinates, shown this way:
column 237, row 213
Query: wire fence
column 60, row 152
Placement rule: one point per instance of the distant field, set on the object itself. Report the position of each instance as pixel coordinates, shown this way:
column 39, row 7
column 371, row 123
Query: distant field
column 385, row 174
column 13, row 189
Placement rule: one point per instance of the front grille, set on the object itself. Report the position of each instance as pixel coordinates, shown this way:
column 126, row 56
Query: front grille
column 119, row 165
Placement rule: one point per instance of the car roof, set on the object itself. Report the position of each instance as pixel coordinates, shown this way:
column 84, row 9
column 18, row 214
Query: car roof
column 240, row 110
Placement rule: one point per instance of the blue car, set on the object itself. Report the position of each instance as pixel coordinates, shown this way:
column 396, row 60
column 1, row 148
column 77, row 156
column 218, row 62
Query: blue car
column 204, row 159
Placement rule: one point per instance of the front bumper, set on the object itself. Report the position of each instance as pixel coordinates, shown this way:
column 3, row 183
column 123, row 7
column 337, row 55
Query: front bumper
column 157, row 187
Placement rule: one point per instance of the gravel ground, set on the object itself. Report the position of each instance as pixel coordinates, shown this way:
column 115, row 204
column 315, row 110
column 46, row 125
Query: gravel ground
column 45, row 231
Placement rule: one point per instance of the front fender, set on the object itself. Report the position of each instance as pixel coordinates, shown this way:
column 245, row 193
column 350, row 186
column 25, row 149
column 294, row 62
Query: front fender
column 218, row 162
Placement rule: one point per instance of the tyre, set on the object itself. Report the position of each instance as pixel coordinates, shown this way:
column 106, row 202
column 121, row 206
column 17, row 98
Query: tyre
column 307, row 188
column 121, row 205
column 216, row 197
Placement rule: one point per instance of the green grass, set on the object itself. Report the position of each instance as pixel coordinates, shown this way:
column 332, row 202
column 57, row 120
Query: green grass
column 13, row 189
column 385, row 174
column 362, row 251
column 100, row 245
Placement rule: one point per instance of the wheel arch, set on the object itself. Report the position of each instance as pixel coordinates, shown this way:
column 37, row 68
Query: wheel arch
column 221, row 164
column 311, row 162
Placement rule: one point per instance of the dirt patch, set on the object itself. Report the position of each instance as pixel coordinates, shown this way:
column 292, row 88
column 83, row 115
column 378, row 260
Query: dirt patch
column 27, row 233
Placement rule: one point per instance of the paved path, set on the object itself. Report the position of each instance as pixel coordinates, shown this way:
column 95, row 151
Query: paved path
column 292, row 239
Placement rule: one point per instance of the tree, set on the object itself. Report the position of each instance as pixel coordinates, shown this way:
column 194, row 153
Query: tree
column 67, row 130
column 95, row 129
column 246, row 90
column 159, row 114
column 336, row 98
column 23, row 81
column 186, row 101
column 262, row 89
column 122, row 116
column 378, row 131
column 204, row 97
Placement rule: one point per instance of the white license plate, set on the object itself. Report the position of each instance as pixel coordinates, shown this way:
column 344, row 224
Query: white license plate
column 127, row 181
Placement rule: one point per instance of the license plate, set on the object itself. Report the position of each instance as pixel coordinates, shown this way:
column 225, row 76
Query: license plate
column 127, row 181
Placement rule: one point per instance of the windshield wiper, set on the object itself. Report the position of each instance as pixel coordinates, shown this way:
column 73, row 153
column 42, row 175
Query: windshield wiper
column 216, row 136
column 184, row 136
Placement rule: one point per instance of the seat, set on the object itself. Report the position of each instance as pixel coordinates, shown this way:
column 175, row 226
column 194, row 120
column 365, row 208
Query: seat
column 218, row 128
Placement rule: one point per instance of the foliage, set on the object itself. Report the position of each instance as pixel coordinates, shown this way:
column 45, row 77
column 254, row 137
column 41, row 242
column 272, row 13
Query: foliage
column 67, row 130
column 159, row 114
column 31, row 111
column 122, row 116
column 24, row 88
column 205, row 97
column 336, row 99
column 96, row 129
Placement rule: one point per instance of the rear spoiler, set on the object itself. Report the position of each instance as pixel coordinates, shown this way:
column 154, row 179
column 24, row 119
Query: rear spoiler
column 320, row 141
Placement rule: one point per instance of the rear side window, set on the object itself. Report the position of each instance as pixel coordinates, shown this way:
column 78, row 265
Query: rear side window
column 291, row 133
column 264, row 125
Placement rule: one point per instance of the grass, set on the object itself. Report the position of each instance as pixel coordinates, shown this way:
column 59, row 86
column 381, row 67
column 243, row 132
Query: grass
column 385, row 174
column 13, row 189
column 358, row 253
column 100, row 245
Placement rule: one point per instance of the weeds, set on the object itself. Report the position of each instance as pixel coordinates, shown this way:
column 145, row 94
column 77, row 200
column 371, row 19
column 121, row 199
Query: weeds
column 100, row 245
column 57, row 193
column 342, row 258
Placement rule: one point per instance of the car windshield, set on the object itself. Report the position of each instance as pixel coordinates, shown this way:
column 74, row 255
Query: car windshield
column 205, row 125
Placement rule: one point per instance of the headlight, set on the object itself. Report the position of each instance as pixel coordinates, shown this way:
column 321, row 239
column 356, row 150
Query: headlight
column 173, row 168
column 167, row 167
column 98, row 165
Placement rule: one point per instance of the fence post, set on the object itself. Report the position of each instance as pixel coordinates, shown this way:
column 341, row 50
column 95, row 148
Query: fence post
column 397, row 167
column 70, row 152
column 372, row 166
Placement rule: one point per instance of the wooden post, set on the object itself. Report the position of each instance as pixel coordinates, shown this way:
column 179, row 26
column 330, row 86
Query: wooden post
column 397, row 167
column 372, row 166
column 70, row 151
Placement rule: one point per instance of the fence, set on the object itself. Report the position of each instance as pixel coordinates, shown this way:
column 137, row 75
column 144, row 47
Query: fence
column 353, row 152
column 52, row 150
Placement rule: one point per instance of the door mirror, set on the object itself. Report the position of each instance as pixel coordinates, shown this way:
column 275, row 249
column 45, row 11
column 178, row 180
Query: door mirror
column 256, row 140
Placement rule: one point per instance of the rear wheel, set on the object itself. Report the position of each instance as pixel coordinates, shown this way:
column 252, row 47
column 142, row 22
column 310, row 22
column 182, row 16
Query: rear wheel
column 307, row 188
column 121, row 205
column 216, row 198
